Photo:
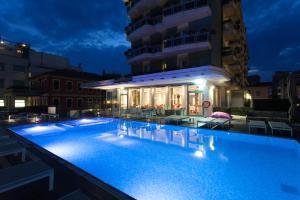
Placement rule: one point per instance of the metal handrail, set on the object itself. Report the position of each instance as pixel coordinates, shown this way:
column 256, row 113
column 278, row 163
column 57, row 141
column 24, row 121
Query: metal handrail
column 186, row 39
column 184, row 6
column 144, row 49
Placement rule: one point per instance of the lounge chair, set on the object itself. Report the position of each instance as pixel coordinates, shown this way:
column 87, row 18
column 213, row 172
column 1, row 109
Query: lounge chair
column 22, row 174
column 76, row 195
column 220, row 122
column 203, row 121
column 2, row 136
column 11, row 149
column 7, row 141
column 257, row 124
column 175, row 118
column 280, row 126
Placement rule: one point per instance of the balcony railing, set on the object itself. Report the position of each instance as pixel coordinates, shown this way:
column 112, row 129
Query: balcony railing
column 144, row 21
column 184, row 6
column 171, row 10
column 142, row 50
column 187, row 39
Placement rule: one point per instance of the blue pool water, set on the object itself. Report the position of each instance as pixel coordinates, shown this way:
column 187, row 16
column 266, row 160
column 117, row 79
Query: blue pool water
column 151, row 161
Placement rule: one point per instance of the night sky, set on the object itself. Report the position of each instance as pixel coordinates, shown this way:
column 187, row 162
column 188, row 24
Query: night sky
column 92, row 32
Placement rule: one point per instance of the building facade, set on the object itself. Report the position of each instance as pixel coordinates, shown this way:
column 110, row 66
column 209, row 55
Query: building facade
column 18, row 63
column 61, row 89
column 184, row 55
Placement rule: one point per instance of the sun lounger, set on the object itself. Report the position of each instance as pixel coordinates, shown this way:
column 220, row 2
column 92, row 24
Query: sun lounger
column 3, row 136
column 175, row 118
column 257, row 124
column 280, row 126
column 25, row 173
column 76, row 195
column 219, row 122
column 203, row 121
column 11, row 149
column 7, row 141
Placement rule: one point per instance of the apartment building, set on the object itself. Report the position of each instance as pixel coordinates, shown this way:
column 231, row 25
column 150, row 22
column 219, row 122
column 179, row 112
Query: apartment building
column 19, row 62
column 60, row 89
column 185, row 55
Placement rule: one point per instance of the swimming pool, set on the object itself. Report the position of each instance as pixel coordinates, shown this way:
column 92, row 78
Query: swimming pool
column 152, row 161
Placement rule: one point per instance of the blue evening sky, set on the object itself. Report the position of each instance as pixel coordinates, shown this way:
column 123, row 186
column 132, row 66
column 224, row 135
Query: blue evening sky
column 92, row 32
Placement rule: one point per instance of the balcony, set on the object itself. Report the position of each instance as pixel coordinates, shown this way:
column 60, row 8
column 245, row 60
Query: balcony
column 230, row 8
column 138, row 7
column 143, row 53
column 171, row 16
column 172, row 46
column 187, row 43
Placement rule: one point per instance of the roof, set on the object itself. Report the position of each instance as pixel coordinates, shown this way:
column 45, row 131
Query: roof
column 71, row 73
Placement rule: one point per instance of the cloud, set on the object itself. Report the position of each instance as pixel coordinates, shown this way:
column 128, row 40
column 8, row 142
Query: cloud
column 289, row 51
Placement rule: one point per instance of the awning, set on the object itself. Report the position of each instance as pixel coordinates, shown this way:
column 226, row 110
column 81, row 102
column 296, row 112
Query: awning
column 215, row 75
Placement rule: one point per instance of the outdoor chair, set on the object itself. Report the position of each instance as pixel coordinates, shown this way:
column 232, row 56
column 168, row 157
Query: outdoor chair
column 25, row 173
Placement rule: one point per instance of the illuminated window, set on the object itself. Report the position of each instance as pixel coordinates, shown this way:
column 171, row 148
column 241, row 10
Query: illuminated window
column 1, row 103
column 19, row 103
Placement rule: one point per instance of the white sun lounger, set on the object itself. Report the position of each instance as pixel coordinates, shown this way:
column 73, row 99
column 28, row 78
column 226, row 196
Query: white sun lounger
column 280, row 126
column 11, row 149
column 257, row 124
column 220, row 122
column 7, row 141
column 203, row 121
column 76, row 195
column 25, row 173
column 175, row 118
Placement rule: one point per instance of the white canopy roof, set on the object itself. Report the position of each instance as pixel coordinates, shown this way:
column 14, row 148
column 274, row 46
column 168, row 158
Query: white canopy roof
column 215, row 75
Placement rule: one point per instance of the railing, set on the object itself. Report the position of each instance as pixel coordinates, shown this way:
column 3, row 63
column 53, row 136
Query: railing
column 146, row 20
column 142, row 50
column 184, row 6
column 187, row 39
column 171, row 10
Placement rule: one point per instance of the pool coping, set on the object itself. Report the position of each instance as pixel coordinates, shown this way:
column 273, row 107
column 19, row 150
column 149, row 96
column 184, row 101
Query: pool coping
column 116, row 193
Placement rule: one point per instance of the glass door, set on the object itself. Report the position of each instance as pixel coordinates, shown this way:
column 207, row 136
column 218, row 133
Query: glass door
column 195, row 103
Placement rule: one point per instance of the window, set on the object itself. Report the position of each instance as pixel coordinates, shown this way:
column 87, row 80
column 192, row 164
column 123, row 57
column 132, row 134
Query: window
column 2, row 67
column 19, row 103
column 18, row 83
column 56, row 84
column 56, row 102
column 69, row 85
column 19, row 68
column 176, row 97
column 69, row 103
column 1, row 83
column 79, row 86
column 1, row 103
column 90, row 102
column 257, row 93
column 79, row 103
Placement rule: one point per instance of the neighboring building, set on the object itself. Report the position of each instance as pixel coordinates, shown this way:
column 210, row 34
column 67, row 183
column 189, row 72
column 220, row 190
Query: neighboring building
column 60, row 88
column 261, row 90
column 280, row 81
column 183, row 54
column 18, row 62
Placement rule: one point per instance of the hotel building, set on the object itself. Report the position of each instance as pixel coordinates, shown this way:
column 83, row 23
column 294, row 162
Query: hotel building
column 188, row 55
